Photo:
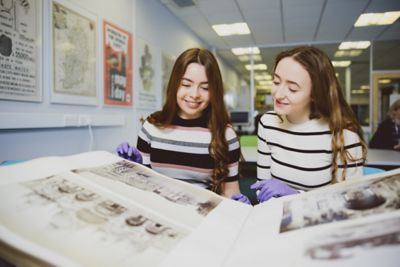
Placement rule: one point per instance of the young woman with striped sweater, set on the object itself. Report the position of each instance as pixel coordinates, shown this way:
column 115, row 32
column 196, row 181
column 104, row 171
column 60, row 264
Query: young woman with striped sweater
column 191, row 138
column 312, row 137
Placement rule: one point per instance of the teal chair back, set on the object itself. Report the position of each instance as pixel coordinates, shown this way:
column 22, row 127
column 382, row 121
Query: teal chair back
column 371, row 170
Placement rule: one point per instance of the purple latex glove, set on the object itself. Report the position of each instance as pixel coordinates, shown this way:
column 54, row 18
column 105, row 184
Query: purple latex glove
column 272, row 188
column 128, row 152
column 241, row 198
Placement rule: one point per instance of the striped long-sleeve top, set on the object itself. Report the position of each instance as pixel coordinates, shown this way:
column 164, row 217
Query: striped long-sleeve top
column 301, row 154
column 181, row 150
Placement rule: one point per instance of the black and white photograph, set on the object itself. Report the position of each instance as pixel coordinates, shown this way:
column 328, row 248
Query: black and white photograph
column 352, row 201
column 376, row 243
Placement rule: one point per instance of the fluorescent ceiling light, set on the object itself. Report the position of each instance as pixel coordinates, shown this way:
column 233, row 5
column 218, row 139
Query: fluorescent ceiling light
column 341, row 64
column 348, row 53
column 256, row 67
column 231, row 29
column 372, row 19
column 264, row 87
column 264, row 82
column 354, row 45
column 263, row 76
column 245, row 51
column 364, row 87
column 384, row 81
column 358, row 92
column 246, row 58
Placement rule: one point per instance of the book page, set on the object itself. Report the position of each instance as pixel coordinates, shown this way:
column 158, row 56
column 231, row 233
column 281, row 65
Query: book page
column 352, row 223
column 211, row 243
column 125, row 214
column 182, row 201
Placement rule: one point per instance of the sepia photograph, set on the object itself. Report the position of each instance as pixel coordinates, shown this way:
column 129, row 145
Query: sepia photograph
column 353, row 201
column 357, row 245
column 116, row 233
column 142, row 178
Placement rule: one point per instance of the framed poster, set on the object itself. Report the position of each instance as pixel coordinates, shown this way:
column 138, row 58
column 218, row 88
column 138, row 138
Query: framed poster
column 167, row 62
column 117, row 46
column 148, row 82
column 74, row 54
column 20, row 50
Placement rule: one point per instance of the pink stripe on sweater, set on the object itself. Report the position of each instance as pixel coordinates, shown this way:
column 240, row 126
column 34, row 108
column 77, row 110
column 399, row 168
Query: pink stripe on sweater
column 180, row 167
column 189, row 129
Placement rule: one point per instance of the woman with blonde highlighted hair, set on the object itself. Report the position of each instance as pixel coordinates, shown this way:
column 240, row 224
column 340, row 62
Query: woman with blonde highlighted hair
column 312, row 137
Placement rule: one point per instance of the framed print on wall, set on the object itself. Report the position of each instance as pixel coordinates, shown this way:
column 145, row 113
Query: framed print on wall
column 117, row 46
column 148, row 73
column 167, row 62
column 74, row 54
column 21, row 50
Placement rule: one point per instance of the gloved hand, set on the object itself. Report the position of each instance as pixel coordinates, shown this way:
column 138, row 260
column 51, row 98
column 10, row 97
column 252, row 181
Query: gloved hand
column 128, row 152
column 272, row 188
column 241, row 198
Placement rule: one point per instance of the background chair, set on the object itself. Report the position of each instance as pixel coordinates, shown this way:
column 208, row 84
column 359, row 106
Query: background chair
column 371, row 170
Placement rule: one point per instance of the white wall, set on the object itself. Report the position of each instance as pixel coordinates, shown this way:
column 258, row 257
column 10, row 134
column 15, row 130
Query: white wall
column 145, row 19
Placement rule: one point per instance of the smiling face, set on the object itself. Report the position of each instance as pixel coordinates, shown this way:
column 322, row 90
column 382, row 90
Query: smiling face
column 193, row 96
column 291, row 90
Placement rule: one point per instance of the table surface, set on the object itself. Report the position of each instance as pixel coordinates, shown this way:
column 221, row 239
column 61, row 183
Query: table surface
column 377, row 157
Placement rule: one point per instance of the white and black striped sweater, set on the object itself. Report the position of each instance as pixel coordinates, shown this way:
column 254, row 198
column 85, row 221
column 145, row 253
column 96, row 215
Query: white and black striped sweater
column 301, row 154
column 181, row 151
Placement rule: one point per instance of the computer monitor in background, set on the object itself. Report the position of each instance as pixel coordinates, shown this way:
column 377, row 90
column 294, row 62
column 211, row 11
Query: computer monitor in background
column 240, row 118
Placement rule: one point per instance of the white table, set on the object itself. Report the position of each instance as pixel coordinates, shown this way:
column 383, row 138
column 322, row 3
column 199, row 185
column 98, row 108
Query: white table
column 383, row 157
column 376, row 157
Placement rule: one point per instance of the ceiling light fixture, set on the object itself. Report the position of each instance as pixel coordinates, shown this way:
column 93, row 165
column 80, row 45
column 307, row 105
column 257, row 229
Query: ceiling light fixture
column 356, row 92
column 348, row 53
column 384, row 81
column 264, row 82
column 264, row 88
column 374, row 19
column 341, row 64
column 354, row 45
column 231, row 29
column 256, row 67
column 245, row 51
column 246, row 58
column 263, row 76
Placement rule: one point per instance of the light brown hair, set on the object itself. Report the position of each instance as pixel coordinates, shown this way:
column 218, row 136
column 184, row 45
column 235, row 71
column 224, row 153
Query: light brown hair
column 215, row 113
column 328, row 102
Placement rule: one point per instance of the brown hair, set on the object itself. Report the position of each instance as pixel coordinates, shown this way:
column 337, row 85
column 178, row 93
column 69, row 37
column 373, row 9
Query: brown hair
column 215, row 113
column 328, row 102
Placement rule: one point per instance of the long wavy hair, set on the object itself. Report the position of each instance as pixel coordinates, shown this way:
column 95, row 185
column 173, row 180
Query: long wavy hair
column 328, row 102
column 215, row 113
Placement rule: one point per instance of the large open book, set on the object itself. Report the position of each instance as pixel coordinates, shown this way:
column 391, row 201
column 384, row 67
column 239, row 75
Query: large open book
column 96, row 209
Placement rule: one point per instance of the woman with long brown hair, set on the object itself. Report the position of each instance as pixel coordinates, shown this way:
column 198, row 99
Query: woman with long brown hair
column 191, row 139
column 312, row 137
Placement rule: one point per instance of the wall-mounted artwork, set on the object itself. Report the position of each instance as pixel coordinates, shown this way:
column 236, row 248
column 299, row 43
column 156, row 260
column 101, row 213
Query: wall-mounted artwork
column 74, row 50
column 20, row 50
column 148, row 67
column 167, row 62
column 117, row 46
